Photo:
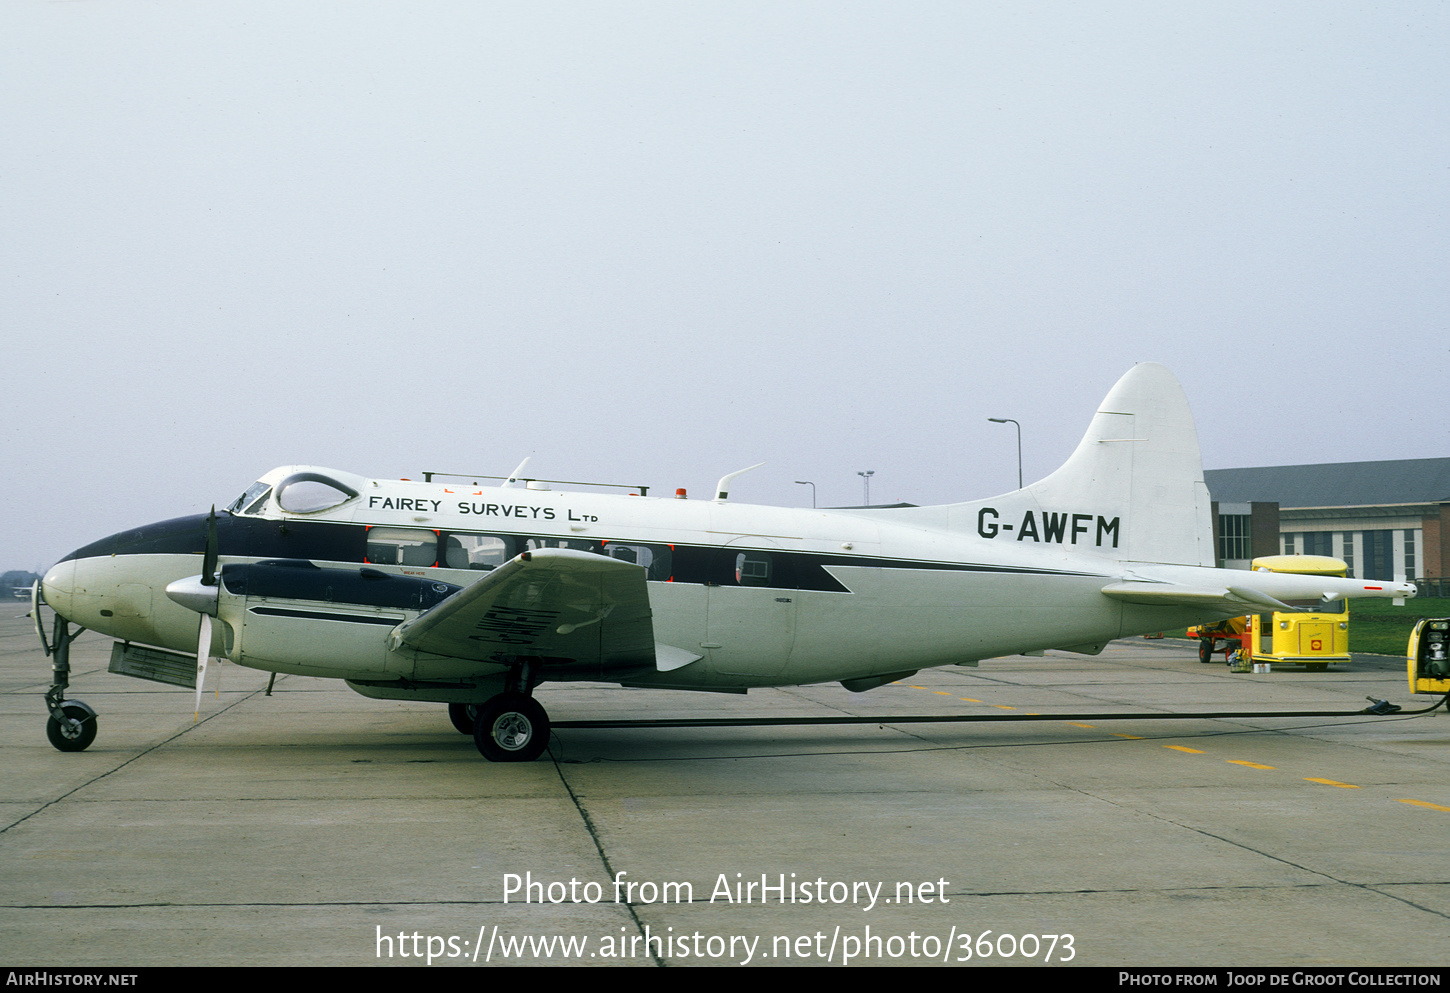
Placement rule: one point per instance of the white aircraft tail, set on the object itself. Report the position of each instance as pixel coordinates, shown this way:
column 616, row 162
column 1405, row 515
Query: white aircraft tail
column 1139, row 462
column 1132, row 491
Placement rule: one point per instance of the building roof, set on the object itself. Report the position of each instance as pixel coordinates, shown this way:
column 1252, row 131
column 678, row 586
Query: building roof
column 1335, row 484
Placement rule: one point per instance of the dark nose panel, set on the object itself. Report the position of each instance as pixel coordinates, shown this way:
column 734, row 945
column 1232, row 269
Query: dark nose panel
column 178, row 536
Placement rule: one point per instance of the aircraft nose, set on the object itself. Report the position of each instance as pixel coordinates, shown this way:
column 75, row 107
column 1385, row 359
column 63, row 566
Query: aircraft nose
column 59, row 586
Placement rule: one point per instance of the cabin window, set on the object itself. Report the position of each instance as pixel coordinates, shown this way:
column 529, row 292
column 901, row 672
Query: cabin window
column 656, row 559
column 480, row 552
column 752, row 569
column 311, row 492
column 402, row 546
column 578, row 546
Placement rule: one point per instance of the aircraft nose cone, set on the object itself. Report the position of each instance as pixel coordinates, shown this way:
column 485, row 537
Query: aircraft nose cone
column 58, row 587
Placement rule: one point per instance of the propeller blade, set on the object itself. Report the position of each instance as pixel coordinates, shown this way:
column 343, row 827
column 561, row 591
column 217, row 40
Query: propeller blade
column 208, row 558
column 203, row 651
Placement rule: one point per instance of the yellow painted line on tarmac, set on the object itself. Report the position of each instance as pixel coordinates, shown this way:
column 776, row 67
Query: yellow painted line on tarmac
column 1090, row 727
column 1003, row 706
column 1185, row 748
column 1331, row 782
column 941, row 692
column 969, row 699
column 1251, row 765
column 1134, row 737
column 1422, row 803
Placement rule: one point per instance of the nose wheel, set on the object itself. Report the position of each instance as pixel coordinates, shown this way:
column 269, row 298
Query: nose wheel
column 74, row 729
column 511, row 727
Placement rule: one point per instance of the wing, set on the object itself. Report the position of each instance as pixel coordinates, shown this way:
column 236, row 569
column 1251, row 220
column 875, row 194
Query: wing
column 553, row 603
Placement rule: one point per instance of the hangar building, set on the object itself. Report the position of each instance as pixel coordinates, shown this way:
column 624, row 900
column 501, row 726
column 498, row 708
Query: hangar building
column 1386, row 520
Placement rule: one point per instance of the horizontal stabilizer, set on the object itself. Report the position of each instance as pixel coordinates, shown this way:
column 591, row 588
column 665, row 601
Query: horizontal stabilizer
column 1270, row 590
column 1230, row 599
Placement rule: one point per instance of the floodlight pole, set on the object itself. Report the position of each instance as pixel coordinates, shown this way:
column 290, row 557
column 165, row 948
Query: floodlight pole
column 807, row 482
column 867, row 477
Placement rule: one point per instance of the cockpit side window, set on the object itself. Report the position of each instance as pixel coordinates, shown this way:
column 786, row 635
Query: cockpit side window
column 311, row 492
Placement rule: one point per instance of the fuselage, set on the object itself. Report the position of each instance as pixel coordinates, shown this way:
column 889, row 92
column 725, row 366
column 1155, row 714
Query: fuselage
column 763, row 595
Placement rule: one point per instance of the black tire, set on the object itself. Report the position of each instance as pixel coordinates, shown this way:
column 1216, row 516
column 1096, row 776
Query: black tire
column 462, row 715
column 69, row 737
column 1205, row 649
column 511, row 728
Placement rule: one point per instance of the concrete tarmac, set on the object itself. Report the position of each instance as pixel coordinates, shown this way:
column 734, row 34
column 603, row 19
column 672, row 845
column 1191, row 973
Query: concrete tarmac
column 316, row 827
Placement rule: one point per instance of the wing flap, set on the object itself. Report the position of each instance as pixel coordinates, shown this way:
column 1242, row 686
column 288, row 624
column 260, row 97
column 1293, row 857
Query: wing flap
column 553, row 603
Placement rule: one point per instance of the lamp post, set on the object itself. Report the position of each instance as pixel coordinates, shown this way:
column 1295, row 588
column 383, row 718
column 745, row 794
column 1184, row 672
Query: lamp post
column 1008, row 420
column 807, row 482
column 867, row 477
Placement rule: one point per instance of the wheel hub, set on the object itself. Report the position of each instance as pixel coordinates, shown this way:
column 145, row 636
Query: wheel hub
column 512, row 731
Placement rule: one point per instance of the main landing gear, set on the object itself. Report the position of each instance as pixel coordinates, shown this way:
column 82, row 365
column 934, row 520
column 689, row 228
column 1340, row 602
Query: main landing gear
column 510, row 727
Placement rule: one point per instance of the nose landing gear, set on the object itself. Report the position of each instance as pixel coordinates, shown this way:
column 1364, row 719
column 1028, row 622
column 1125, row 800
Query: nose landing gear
column 74, row 729
column 72, row 724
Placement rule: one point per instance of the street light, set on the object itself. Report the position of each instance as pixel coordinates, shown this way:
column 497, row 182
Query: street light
column 867, row 476
column 807, row 482
column 1008, row 420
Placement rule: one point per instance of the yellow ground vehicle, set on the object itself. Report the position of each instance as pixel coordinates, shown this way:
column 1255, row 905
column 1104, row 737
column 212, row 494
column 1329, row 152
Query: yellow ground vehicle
column 1429, row 656
column 1312, row 638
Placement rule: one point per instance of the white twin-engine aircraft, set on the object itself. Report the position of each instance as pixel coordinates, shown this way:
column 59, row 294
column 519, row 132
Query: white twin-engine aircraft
column 473, row 596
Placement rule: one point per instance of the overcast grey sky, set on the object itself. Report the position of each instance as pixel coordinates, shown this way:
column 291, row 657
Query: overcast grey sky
column 657, row 242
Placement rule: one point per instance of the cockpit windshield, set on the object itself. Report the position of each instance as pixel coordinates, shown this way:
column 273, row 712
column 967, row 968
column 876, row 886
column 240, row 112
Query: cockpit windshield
column 253, row 500
column 299, row 490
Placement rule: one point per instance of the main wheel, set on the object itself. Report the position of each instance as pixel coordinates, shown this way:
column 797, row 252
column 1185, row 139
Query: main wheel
column 1205, row 649
column 511, row 728
column 462, row 716
column 69, row 737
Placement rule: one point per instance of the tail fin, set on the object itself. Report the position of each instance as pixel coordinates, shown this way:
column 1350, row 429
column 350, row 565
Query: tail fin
column 1132, row 491
column 1140, row 461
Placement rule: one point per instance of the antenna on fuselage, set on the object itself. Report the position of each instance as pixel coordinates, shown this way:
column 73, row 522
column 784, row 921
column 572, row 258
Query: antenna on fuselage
column 722, row 488
column 514, row 476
